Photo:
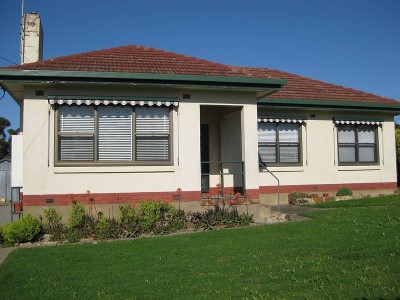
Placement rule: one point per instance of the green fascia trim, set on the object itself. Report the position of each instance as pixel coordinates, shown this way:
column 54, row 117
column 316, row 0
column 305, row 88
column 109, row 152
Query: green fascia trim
column 101, row 76
column 155, row 99
column 283, row 117
column 329, row 104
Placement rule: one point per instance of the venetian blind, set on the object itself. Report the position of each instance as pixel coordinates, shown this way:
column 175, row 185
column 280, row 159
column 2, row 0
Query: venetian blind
column 76, row 128
column 267, row 142
column 114, row 133
column 152, row 133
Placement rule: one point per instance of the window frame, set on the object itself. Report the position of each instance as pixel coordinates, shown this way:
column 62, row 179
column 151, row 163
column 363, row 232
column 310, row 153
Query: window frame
column 357, row 146
column 278, row 163
column 95, row 161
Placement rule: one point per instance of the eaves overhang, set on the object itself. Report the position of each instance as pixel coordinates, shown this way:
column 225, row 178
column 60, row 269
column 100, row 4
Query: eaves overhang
column 329, row 104
column 50, row 76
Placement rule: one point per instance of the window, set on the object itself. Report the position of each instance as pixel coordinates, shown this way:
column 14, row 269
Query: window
column 114, row 134
column 357, row 144
column 279, row 143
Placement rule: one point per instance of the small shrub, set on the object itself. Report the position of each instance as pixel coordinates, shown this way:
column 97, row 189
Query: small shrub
column 106, row 229
column 153, row 216
column 219, row 217
column 178, row 220
column 77, row 216
column 26, row 229
column 2, row 240
column 344, row 191
column 80, row 224
column 73, row 236
column 299, row 198
column 128, row 220
column 52, row 224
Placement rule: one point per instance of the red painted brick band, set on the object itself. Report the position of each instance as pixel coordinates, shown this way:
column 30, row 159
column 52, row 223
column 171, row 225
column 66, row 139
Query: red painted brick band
column 328, row 187
column 109, row 198
column 188, row 196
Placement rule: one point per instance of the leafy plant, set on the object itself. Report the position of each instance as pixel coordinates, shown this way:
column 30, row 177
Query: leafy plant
column 344, row 191
column 2, row 240
column 77, row 216
column 128, row 220
column 106, row 229
column 220, row 217
column 53, row 225
column 299, row 198
column 153, row 215
column 26, row 229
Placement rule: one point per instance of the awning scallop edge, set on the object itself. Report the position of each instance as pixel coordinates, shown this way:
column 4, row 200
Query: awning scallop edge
column 131, row 102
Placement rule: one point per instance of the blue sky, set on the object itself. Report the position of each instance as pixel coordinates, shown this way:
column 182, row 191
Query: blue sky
column 354, row 43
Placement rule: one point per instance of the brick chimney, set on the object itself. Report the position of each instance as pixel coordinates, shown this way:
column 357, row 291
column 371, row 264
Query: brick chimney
column 31, row 38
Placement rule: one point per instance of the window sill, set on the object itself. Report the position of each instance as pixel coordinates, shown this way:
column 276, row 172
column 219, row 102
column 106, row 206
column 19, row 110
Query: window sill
column 358, row 168
column 283, row 169
column 114, row 169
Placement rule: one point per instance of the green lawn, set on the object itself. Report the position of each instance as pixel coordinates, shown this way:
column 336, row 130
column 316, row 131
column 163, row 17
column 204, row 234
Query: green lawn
column 346, row 253
column 373, row 201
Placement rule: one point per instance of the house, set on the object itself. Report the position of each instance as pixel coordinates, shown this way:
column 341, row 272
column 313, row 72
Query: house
column 135, row 123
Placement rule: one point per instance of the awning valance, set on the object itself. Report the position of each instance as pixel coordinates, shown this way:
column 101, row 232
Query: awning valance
column 114, row 101
column 358, row 122
column 282, row 119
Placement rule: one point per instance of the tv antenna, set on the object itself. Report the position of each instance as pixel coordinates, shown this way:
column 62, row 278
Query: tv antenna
column 22, row 54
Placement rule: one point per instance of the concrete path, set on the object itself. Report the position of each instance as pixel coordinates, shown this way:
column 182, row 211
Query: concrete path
column 295, row 210
column 4, row 252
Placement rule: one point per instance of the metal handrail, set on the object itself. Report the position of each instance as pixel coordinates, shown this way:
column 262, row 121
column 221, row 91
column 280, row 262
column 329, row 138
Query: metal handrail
column 221, row 173
column 277, row 179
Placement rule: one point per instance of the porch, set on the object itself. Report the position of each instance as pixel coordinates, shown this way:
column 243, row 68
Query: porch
column 222, row 162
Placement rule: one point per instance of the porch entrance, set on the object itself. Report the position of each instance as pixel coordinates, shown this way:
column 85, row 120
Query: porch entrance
column 221, row 150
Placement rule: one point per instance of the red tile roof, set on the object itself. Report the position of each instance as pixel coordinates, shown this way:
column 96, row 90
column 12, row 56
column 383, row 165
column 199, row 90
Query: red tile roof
column 134, row 59
column 139, row 59
column 303, row 88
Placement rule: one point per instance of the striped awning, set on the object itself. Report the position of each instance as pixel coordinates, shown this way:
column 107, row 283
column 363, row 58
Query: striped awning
column 114, row 101
column 282, row 120
column 358, row 122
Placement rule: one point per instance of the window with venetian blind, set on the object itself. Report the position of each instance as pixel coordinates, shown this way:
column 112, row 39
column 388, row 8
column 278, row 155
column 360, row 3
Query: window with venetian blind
column 279, row 143
column 357, row 144
column 119, row 134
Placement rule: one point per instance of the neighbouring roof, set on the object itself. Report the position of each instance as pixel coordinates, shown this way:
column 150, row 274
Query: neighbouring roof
column 139, row 59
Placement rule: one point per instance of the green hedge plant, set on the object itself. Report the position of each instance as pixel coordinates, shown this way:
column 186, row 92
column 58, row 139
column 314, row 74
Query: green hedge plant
column 344, row 191
column 26, row 229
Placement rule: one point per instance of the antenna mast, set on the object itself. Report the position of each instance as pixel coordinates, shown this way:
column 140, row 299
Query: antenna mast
column 22, row 54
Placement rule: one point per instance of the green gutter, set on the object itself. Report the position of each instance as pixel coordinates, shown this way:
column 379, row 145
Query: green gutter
column 46, row 75
column 303, row 103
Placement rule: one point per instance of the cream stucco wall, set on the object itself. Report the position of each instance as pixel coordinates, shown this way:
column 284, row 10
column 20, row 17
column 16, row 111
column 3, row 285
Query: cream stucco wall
column 319, row 149
column 42, row 177
column 320, row 166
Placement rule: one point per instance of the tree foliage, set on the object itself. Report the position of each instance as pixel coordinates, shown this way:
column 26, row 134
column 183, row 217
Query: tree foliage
column 5, row 143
